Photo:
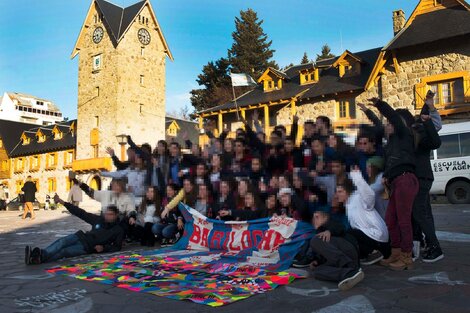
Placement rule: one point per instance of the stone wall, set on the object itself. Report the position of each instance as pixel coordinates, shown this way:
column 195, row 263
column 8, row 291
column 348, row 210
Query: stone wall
column 432, row 59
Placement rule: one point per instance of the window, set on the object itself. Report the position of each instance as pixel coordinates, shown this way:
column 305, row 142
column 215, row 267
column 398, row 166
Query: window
column 68, row 183
column 141, row 80
column 97, row 121
column 34, row 163
column 1, row 143
column 41, row 137
column 19, row 165
column 142, row 51
column 51, row 185
column 346, row 109
column 68, row 158
column 52, row 160
column 97, row 62
column 19, row 185
column 4, row 165
column 447, row 92
column 454, row 146
column 97, row 92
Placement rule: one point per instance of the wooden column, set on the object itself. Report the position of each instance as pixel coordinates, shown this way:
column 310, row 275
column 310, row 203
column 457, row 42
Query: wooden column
column 266, row 121
column 221, row 123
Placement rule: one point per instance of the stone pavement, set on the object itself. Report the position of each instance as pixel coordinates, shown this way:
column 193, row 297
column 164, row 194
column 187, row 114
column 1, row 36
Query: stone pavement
column 440, row 287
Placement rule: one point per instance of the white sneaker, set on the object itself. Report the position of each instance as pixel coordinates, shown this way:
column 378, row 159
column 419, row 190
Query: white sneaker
column 352, row 281
column 416, row 250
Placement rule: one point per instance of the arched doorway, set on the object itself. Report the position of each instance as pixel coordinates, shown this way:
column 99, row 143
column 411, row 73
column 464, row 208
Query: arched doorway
column 95, row 183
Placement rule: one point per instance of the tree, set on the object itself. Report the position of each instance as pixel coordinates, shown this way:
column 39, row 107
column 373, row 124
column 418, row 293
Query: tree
column 287, row 66
column 216, row 84
column 183, row 113
column 305, row 59
column 325, row 53
column 251, row 51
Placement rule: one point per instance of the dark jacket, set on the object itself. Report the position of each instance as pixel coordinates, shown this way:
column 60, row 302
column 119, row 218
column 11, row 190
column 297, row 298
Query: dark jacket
column 399, row 152
column 108, row 235
column 29, row 189
column 337, row 230
column 427, row 139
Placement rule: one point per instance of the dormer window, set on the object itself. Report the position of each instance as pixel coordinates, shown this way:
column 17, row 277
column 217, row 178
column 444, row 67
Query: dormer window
column 41, row 136
column 272, row 79
column 308, row 76
column 57, row 133
column 25, row 140
column 348, row 64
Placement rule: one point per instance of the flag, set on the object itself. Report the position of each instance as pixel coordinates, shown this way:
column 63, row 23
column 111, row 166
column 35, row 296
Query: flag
column 239, row 80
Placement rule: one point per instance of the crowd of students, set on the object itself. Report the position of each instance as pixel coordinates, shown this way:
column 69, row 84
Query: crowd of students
column 368, row 202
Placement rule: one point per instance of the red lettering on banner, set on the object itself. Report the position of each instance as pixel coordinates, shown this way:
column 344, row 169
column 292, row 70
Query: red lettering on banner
column 269, row 243
column 205, row 234
column 246, row 240
column 278, row 240
column 232, row 239
column 282, row 221
column 267, row 240
column 196, row 236
column 217, row 238
column 257, row 235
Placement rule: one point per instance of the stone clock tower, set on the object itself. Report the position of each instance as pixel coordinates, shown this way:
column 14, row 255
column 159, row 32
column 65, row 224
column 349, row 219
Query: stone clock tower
column 121, row 80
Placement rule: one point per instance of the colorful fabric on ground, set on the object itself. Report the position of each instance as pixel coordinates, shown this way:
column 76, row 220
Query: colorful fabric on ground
column 205, row 266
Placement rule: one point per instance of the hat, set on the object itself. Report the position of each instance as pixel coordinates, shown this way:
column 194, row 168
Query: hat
column 284, row 191
column 376, row 161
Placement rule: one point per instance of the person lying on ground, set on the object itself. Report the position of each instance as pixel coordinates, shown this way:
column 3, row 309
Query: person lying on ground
column 106, row 235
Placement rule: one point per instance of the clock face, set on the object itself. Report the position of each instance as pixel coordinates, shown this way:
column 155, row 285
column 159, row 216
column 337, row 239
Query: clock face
column 144, row 36
column 98, row 34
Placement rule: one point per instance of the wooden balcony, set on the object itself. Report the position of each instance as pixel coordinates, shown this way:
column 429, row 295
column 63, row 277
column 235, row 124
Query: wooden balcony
column 89, row 165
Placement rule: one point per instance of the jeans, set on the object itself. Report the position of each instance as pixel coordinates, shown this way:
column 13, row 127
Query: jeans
column 167, row 231
column 66, row 247
column 398, row 215
column 422, row 212
column 342, row 259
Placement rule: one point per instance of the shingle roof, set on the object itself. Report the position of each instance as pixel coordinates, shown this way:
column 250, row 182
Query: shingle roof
column 117, row 18
column 433, row 26
column 11, row 132
column 330, row 82
column 185, row 126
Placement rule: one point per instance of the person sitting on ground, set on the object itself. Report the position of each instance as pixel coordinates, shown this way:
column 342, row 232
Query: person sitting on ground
column 168, row 226
column 367, row 226
column 106, row 235
column 147, row 215
column 337, row 255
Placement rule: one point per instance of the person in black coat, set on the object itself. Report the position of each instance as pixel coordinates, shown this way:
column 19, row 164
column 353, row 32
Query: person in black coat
column 29, row 196
column 106, row 235
column 426, row 140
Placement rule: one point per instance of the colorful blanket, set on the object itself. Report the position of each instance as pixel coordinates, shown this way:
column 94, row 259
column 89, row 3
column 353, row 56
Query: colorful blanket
column 214, row 263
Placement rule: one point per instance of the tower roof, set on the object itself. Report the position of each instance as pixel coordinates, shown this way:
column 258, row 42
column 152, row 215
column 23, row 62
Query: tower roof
column 119, row 19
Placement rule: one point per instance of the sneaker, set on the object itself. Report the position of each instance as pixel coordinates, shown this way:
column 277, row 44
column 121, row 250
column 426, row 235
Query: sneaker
column 27, row 255
column 372, row 258
column 36, row 256
column 433, row 254
column 302, row 263
column 164, row 242
column 416, row 250
column 352, row 281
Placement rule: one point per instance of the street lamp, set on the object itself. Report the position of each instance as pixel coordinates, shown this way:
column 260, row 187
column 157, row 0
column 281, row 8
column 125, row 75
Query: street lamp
column 122, row 140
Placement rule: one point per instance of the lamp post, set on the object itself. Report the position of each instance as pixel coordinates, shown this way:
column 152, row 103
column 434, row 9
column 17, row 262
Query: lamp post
column 122, row 140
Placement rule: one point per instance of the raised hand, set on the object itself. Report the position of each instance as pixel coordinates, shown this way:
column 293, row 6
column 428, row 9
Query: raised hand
column 110, row 151
column 362, row 106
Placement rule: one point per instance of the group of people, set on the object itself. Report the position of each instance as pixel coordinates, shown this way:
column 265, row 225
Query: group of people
column 368, row 202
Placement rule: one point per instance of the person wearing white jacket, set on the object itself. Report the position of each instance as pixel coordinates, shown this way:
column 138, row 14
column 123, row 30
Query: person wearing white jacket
column 146, row 216
column 367, row 226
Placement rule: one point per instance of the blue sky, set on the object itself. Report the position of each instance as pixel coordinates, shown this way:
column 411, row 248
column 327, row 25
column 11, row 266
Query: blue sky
column 37, row 37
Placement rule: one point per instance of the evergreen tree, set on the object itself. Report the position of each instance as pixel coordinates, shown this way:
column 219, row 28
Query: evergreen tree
column 287, row 66
column 305, row 59
column 325, row 53
column 216, row 84
column 251, row 50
